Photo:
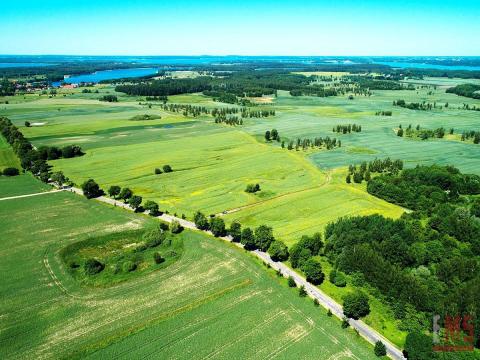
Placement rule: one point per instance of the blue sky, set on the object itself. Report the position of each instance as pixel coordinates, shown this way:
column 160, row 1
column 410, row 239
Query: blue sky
column 180, row 27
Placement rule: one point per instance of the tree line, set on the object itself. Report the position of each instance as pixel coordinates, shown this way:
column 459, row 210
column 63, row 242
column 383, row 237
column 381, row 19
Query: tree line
column 383, row 113
column 474, row 135
column 220, row 112
column 414, row 106
column 344, row 129
column 423, row 134
column 466, row 90
column 230, row 120
column 318, row 142
column 364, row 171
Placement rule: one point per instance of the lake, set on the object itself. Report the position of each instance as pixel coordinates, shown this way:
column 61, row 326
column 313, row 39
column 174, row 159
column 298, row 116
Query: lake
column 410, row 65
column 108, row 75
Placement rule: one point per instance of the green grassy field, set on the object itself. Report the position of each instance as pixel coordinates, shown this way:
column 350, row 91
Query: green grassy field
column 212, row 163
column 7, row 156
column 21, row 185
column 214, row 302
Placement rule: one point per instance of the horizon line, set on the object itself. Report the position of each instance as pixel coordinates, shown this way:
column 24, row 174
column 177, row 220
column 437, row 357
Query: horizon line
column 233, row 55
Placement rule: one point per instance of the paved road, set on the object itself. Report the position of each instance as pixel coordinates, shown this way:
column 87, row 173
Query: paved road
column 327, row 302
column 28, row 195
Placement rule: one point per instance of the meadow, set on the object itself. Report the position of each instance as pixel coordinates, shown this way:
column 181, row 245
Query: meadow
column 7, row 156
column 21, row 185
column 214, row 302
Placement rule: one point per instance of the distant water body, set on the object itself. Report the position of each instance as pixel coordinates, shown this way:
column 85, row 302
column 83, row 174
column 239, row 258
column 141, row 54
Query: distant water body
column 412, row 65
column 108, row 75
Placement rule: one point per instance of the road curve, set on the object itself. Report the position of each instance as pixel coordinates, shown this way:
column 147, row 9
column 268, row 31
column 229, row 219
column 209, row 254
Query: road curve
column 327, row 302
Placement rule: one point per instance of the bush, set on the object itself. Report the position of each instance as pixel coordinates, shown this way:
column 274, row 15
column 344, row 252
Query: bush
column 10, row 171
column 337, row 278
column 125, row 194
column 91, row 189
column 217, row 226
column 158, row 258
column 313, row 243
column 291, row 282
column 298, row 255
column 157, row 171
column 316, row 302
column 116, row 269
column 109, row 98
column 329, row 312
column 345, row 323
column 171, row 253
column 380, row 349
column 27, row 123
column 153, row 238
column 201, row 221
column 302, row 292
column 263, row 237
column 252, row 188
column 356, row 305
column 163, row 226
column 129, row 266
column 418, row 346
column 71, row 151
column 248, row 239
column 167, row 168
column 135, row 201
column 73, row 264
column 475, row 209
column 313, row 271
column 278, row 251
column 140, row 248
column 93, row 266
column 235, row 231
column 152, row 207
column 113, row 191
column 175, row 227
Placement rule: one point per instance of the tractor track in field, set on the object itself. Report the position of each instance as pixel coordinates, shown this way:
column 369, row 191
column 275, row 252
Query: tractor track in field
column 328, row 179
column 29, row 195
column 54, row 278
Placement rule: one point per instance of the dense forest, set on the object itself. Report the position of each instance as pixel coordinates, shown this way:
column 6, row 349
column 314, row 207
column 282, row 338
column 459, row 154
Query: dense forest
column 56, row 72
column 467, row 90
column 231, row 87
column 428, row 261
column 424, row 187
